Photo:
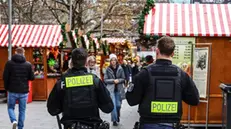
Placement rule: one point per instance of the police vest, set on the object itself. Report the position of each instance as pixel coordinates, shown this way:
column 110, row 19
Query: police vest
column 162, row 101
column 80, row 100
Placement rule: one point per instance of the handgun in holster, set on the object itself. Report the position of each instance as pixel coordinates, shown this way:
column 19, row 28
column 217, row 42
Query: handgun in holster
column 79, row 125
column 137, row 125
column 178, row 126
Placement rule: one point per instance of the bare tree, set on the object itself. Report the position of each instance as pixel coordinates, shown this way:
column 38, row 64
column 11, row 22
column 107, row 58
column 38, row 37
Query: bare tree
column 119, row 16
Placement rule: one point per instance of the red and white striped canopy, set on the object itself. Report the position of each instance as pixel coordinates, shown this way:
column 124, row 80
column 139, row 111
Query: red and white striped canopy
column 31, row 35
column 38, row 36
column 212, row 20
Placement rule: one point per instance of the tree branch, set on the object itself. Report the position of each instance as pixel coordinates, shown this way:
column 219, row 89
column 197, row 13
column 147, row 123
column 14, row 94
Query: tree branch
column 89, row 20
column 110, row 9
column 109, row 30
column 63, row 3
column 54, row 14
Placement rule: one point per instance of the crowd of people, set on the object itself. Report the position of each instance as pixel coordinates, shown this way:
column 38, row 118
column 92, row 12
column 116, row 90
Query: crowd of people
column 116, row 78
column 159, row 89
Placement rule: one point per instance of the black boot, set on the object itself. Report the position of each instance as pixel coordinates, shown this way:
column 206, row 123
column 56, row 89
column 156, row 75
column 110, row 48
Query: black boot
column 115, row 123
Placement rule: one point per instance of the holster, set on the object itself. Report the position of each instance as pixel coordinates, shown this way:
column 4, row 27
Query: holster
column 175, row 126
column 79, row 125
column 137, row 125
column 178, row 126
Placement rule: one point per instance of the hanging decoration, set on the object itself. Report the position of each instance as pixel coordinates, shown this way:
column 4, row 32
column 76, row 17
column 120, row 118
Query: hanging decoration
column 63, row 32
column 148, row 6
column 146, row 40
column 92, row 45
column 80, row 41
column 51, row 62
column 106, row 48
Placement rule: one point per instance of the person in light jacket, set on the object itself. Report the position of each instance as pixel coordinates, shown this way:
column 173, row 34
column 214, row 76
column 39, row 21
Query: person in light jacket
column 92, row 67
column 114, row 78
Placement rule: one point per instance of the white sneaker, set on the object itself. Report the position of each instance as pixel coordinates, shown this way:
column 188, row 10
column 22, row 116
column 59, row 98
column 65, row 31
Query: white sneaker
column 14, row 125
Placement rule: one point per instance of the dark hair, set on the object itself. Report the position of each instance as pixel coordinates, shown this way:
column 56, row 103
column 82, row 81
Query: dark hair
column 149, row 59
column 20, row 50
column 166, row 45
column 79, row 57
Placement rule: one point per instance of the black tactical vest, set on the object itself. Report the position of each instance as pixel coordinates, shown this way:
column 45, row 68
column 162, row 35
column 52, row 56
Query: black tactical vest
column 80, row 100
column 162, row 101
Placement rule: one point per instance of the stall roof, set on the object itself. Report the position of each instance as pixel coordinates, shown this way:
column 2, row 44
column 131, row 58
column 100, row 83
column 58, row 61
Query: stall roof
column 114, row 40
column 38, row 36
column 211, row 20
column 31, row 35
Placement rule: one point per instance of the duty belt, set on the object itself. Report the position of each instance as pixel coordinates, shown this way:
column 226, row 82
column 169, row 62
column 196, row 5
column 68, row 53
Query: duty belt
column 79, row 125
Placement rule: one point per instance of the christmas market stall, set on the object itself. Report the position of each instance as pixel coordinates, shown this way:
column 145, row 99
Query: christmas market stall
column 202, row 33
column 119, row 46
column 41, row 50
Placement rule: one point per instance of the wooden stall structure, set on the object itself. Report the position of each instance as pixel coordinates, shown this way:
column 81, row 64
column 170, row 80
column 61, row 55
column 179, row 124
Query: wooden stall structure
column 36, row 39
column 119, row 46
column 207, row 23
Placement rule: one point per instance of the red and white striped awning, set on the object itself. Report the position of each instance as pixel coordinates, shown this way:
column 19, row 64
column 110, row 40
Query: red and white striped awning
column 31, row 35
column 212, row 20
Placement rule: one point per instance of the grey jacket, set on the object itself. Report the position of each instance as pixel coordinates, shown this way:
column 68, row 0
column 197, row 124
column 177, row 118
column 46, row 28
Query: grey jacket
column 109, row 80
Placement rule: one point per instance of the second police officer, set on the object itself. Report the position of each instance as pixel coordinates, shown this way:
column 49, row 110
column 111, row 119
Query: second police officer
column 159, row 90
column 79, row 95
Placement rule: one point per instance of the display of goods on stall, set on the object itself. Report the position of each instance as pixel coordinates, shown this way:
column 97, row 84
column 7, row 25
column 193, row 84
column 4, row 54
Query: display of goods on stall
column 38, row 65
column 53, row 61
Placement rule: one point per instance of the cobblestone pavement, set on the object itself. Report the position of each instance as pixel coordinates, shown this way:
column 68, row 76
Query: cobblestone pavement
column 37, row 117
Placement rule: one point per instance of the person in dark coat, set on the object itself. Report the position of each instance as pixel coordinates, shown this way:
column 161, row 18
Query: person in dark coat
column 158, row 87
column 127, row 71
column 148, row 60
column 79, row 100
column 17, row 73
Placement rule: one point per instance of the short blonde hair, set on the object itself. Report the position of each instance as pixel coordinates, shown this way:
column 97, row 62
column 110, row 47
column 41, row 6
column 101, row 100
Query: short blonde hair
column 20, row 50
column 91, row 58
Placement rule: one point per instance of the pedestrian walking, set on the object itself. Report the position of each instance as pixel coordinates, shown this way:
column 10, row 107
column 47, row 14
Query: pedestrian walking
column 114, row 78
column 17, row 73
column 92, row 67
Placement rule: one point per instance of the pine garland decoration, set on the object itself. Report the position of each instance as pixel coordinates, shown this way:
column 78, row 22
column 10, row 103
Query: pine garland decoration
column 63, row 32
column 146, row 40
column 77, row 39
column 91, row 42
column 148, row 6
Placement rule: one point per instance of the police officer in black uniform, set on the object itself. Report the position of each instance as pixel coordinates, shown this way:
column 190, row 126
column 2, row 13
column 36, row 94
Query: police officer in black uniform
column 159, row 90
column 78, row 95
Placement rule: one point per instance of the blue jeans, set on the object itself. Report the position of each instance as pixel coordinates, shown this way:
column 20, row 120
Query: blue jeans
column 155, row 126
column 116, row 99
column 22, row 100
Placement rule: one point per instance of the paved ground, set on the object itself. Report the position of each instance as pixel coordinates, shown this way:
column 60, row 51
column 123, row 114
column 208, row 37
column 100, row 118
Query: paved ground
column 37, row 117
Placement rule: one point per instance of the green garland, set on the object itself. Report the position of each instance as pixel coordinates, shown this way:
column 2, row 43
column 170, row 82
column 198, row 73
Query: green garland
column 63, row 32
column 91, row 42
column 148, row 6
column 77, row 39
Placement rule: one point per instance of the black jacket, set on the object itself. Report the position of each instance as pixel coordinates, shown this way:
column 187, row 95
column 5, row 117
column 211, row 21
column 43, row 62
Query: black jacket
column 189, row 93
column 127, row 71
column 55, row 100
column 17, row 73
